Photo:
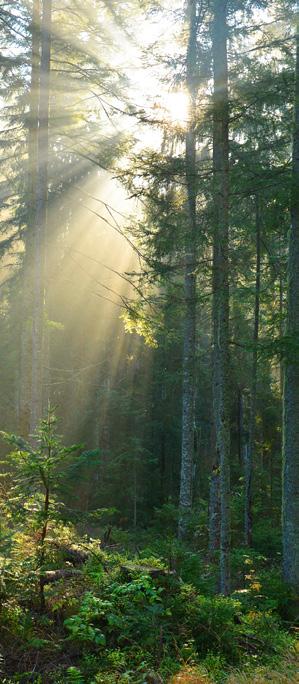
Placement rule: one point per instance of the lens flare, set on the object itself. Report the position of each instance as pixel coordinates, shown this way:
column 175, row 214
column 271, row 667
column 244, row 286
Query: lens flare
column 176, row 105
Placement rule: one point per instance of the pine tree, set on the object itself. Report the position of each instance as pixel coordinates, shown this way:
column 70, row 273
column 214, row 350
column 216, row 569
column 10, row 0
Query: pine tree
column 249, row 446
column 25, row 379
column 189, row 323
column 220, row 280
column 40, row 220
column 291, row 382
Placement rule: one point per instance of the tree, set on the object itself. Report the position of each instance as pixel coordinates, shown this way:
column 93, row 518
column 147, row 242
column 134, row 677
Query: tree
column 290, row 515
column 220, row 280
column 25, row 380
column 40, row 220
column 249, row 446
column 99, row 377
column 37, row 475
column 189, row 322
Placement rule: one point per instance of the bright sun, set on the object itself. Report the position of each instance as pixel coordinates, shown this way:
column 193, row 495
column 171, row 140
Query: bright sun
column 176, row 106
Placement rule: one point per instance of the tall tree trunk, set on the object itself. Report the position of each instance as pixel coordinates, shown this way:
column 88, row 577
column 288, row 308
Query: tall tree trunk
column 240, row 425
column 290, row 510
column 214, row 511
column 188, row 396
column 27, row 294
column 248, row 455
column 281, row 331
column 221, row 282
column 41, row 201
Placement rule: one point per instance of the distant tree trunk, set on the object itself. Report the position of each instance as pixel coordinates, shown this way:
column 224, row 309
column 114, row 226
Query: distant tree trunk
column 41, row 200
column 97, row 409
column 214, row 511
column 135, row 493
column 214, row 497
column 221, row 282
column 240, row 425
column 248, row 454
column 290, row 510
column 188, row 398
column 281, row 370
column 27, row 293
column 162, row 466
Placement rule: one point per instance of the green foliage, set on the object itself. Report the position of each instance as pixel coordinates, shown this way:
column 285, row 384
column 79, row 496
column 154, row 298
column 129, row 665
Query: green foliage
column 166, row 519
column 123, row 613
column 265, row 590
column 74, row 676
column 38, row 468
column 210, row 620
column 115, row 618
column 267, row 538
column 81, row 626
column 215, row 666
column 32, row 505
column 121, row 621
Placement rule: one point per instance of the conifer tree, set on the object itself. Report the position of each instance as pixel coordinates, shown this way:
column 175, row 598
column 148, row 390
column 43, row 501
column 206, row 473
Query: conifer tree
column 220, row 280
column 40, row 220
column 189, row 322
column 249, row 446
column 291, row 382
column 25, row 378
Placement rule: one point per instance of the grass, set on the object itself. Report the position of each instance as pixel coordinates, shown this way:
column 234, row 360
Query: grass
column 190, row 676
column 264, row 677
column 288, row 673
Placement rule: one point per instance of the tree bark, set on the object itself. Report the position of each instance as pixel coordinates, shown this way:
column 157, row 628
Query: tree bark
column 189, row 323
column 27, row 294
column 41, row 200
column 290, row 508
column 248, row 455
column 51, row 576
column 221, row 281
column 214, row 511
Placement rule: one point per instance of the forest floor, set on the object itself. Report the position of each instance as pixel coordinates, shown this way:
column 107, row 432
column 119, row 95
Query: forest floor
column 287, row 674
column 122, row 615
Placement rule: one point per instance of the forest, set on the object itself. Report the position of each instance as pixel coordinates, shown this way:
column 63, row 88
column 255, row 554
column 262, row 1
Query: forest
column 149, row 341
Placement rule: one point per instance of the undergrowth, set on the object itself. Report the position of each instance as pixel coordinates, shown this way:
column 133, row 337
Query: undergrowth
column 121, row 617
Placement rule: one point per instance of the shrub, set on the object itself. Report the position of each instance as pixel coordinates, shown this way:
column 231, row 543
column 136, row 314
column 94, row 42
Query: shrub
column 211, row 621
column 81, row 626
column 265, row 591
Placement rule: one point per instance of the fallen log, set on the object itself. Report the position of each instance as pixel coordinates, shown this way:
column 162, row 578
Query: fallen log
column 51, row 576
column 153, row 678
column 71, row 555
column 132, row 568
